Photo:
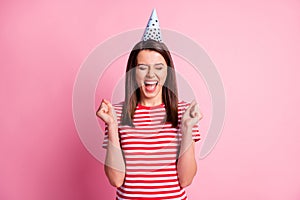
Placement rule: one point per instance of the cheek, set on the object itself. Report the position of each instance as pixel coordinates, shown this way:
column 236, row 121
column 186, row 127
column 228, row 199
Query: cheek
column 163, row 77
column 139, row 77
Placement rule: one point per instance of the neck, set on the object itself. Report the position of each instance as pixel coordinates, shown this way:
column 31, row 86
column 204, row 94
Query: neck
column 151, row 101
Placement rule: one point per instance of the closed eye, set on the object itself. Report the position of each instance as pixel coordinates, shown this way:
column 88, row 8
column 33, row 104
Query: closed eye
column 142, row 67
column 159, row 66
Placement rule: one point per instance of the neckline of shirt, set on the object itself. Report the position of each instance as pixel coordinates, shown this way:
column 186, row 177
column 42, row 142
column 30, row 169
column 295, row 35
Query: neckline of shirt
column 162, row 105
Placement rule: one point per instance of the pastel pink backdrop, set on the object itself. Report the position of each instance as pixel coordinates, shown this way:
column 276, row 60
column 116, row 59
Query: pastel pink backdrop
column 255, row 46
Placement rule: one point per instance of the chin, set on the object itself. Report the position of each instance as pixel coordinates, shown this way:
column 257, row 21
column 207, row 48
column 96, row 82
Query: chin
column 151, row 95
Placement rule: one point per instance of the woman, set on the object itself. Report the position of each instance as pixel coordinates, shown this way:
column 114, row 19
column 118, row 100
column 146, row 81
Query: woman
column 150, row 136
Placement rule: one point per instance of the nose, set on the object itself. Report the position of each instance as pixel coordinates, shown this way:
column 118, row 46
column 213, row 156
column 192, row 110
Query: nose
column 150, row 73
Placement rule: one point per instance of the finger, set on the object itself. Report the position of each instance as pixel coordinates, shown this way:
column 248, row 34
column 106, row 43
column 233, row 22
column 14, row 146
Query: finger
column 101, row 105
column 194, row 113
column 107, row 103
column 104, row 105
column 101, row 112
column 194, row 109
column 199, row 114
column 102, row 109
column 188, row 110
column 193, row 103
column 109, row 106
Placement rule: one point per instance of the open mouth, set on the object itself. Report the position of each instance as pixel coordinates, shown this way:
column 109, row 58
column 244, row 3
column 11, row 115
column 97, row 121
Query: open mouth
column 150, row 86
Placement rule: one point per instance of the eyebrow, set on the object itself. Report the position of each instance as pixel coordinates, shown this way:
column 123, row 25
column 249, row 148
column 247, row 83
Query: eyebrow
column 149, row 65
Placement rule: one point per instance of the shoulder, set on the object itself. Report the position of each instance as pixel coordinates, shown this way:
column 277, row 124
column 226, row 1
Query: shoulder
column 183, row 105
column 118, row 107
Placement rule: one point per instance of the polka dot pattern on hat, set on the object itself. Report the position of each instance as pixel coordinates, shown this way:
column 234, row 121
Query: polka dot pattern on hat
column 152, row 30
column 152, row 33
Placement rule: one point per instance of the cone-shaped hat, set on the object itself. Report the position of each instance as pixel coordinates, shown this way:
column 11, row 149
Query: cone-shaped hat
column 152, row 30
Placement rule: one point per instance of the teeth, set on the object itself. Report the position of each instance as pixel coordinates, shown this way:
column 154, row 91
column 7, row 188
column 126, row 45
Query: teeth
column 150, row 82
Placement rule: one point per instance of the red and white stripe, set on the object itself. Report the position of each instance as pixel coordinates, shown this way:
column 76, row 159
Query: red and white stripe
column 150, row 149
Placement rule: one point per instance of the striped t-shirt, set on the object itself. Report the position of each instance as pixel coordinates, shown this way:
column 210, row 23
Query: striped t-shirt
column 150, row 150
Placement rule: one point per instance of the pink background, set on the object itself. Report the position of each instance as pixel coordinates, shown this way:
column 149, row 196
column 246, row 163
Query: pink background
column 255, row 47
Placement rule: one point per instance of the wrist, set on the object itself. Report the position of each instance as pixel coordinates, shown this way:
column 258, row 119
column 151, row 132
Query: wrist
column 112, row 126
column 186, row 126
column 113, row 134
column 186, row 132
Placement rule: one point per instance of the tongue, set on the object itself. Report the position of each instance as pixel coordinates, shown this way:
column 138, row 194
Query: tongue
column 150, row 88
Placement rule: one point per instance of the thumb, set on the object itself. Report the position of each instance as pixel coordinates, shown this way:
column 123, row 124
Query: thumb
column 194, row 110
column 188, row 110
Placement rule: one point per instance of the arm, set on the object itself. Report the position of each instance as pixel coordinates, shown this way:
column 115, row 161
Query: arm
column 114, row 161
column 186, row 164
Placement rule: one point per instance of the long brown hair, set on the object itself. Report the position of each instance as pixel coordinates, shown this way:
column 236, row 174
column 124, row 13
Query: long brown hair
column 132, row 91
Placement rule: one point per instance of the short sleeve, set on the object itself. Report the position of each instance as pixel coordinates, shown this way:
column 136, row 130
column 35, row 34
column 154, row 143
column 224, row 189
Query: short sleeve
column 105, row 140
column 196, row 134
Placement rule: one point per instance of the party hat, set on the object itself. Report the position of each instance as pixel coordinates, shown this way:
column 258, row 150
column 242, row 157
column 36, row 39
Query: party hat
column 152, row 30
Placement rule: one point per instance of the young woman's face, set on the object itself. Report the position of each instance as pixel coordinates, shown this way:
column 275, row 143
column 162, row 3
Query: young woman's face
column 151, row 74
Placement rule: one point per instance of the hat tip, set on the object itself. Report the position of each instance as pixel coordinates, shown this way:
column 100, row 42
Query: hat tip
column 152, row 30
column 154, row 12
